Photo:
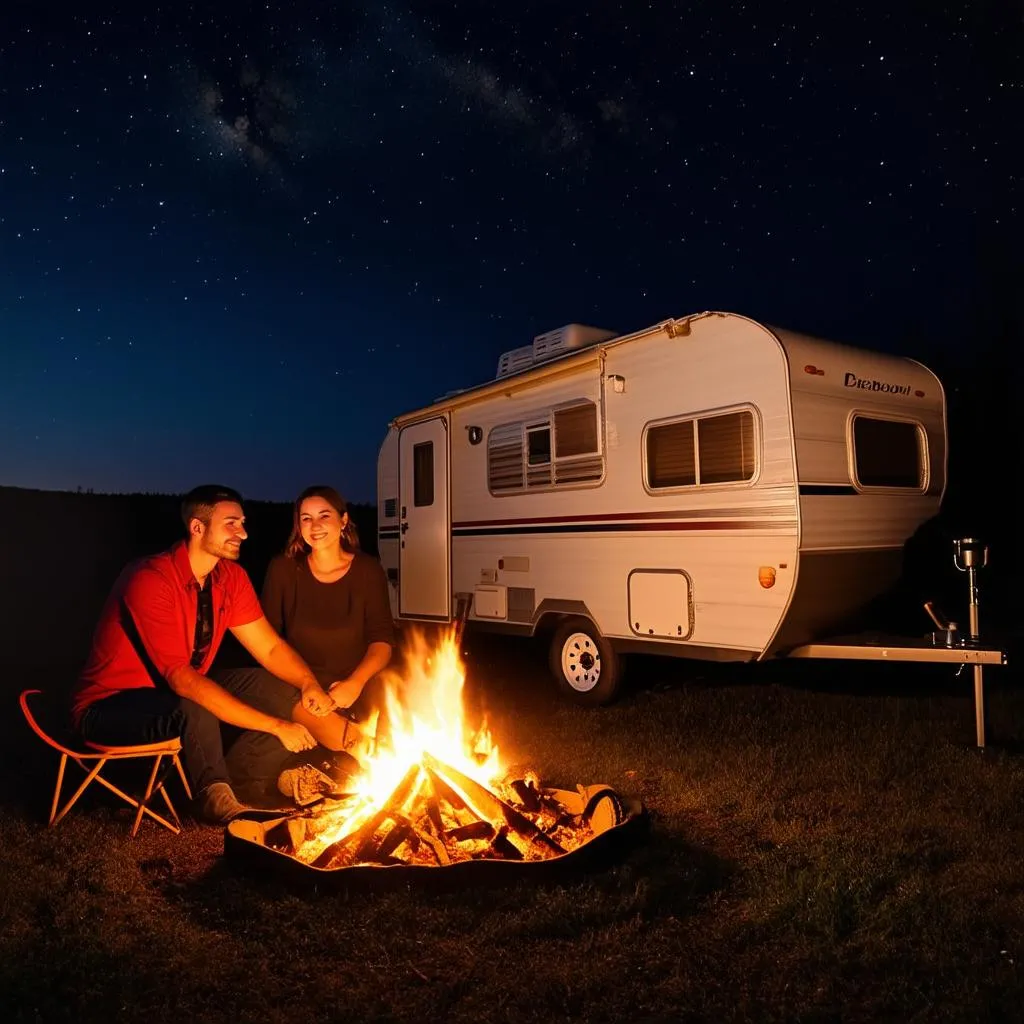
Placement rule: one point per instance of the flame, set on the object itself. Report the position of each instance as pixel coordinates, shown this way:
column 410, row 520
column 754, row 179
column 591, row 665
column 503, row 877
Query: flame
column 426, row 717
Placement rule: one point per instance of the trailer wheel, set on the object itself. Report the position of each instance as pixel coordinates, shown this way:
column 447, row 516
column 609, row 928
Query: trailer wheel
column 583, row 663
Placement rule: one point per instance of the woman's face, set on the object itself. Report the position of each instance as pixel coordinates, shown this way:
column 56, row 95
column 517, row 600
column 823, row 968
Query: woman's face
column 320, row 523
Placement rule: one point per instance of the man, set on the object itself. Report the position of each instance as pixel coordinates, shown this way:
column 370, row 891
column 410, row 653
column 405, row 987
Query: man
column 146, row 678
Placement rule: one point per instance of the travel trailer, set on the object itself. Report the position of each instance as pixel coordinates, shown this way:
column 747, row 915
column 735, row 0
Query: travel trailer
column 708, row 487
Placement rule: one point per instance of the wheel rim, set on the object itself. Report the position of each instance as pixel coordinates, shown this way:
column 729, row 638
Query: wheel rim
column 581, row 662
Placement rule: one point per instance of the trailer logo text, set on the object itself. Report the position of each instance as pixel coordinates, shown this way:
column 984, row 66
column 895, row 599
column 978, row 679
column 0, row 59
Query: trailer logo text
column 851, row 380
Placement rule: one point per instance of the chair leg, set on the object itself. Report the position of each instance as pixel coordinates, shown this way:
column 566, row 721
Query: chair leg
column 141, row 806
column 56, row 791
column 147, row 794
column 170, row 807
column 184, row 783
column 135, row 803
column 94, row 774
column 181, row 775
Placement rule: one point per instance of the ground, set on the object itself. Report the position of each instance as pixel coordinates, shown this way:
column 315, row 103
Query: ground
column 825, row 843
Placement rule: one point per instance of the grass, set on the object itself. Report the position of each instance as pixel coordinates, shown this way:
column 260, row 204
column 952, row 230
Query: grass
column 825, row 844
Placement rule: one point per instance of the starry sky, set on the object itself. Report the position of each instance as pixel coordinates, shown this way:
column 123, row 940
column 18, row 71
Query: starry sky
column 237, row 238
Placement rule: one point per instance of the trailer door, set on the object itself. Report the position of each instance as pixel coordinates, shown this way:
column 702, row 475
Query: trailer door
column 424, row 579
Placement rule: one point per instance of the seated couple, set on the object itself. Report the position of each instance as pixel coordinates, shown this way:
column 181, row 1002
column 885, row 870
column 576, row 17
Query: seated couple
column 321, row 632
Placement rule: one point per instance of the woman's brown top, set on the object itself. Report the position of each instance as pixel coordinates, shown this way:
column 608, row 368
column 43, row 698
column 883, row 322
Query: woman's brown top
column 330, row 624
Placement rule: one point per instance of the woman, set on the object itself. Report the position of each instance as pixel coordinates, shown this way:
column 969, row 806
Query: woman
column 329, row 600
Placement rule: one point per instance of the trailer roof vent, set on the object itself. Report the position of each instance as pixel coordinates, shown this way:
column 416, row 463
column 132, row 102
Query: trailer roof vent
column 515, row 360
column 550, row 345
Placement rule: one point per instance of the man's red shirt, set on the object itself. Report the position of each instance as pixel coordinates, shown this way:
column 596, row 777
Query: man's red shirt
column 147, row 626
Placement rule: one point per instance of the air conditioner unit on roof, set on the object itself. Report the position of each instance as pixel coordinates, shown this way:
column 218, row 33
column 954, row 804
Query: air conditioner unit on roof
column 515, row 360
column 550, row 345
column 567, row 338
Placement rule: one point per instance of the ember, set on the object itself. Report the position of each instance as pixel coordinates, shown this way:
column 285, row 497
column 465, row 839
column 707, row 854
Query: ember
column 435, row 793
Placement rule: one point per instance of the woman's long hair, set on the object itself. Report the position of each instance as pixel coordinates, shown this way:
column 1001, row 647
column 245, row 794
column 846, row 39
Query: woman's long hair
column 296, row 547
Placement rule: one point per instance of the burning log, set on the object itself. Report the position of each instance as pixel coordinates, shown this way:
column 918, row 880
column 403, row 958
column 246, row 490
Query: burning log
column 503, row 847
column 474, row 830
column 399, row 834
column 527, row 794
column 361, row 840
column 492, row 805
column 433, row 805
column 441, row 787
column 436, row 846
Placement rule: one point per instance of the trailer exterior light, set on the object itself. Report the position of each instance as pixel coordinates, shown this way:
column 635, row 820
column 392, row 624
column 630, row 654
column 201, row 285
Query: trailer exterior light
column 766, row 576
column 813, row 370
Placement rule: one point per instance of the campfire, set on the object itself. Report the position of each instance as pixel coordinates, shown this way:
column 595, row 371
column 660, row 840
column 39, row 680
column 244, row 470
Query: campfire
column 433, row 791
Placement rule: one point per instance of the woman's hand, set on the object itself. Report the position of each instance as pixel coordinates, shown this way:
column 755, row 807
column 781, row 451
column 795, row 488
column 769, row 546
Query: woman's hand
column 294, row 737
column 345, row 692
column 316, row 700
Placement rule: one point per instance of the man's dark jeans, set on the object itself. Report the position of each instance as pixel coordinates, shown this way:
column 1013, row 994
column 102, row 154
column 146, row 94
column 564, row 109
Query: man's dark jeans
column 150, row 715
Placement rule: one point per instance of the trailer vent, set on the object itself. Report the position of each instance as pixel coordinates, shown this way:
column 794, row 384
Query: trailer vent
column 579, row 470
column 390, row 508
column 521, row 602
column 550, row 345
column 514, row 361
column 505, row 458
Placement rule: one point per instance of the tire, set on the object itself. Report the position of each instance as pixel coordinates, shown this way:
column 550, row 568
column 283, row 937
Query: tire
column 585, row 667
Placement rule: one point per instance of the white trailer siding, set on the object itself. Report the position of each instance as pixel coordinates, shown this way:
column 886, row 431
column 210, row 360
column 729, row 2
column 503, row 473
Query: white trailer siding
column 581, row 544
column 852, row 536
column 823, row 408
column 472, row 501
column 387, row 514
column 728, row 530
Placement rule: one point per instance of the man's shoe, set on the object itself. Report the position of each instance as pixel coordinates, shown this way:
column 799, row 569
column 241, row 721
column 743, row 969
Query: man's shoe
column 217, row 804
column 305, row 784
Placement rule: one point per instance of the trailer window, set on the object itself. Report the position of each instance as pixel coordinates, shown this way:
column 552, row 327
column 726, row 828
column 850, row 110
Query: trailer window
column 888, row 453
column 671, row 460
column 726, row 447
column 562, row 449
column 538, row 456
column 576, row 430
column 707, row 450
column 423, row 474
column 538, row 445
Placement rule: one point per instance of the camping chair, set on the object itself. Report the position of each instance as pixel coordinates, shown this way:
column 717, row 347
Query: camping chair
column 100, row 754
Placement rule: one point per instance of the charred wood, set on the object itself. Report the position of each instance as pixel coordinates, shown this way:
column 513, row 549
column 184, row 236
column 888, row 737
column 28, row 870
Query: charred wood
column 492, row 805
column 401, row 831
column 361, row 840
column 503, row 847
column 473, row 830
column 435, row 844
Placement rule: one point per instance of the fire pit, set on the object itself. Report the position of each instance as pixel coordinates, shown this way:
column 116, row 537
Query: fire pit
column 434, row 801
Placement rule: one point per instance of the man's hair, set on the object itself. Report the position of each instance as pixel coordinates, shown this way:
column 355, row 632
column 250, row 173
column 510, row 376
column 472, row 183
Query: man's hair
column 199, row 502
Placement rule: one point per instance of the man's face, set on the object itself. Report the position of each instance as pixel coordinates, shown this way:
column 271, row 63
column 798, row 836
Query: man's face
column 226, row 531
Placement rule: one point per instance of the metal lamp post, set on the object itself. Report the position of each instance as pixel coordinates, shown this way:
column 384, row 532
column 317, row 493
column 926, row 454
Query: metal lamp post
column 970, row 555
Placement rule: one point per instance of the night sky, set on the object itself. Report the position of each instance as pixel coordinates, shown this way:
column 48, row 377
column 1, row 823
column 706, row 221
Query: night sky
column 236, row 239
